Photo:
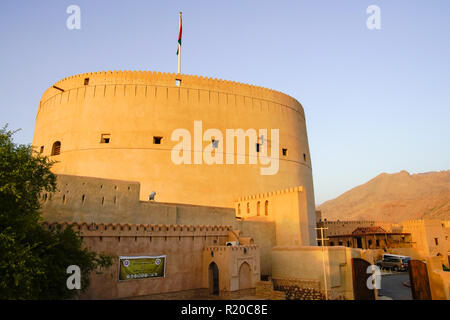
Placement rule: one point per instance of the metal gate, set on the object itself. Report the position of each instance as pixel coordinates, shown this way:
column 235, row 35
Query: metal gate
column 360, row 276
column 418, row 276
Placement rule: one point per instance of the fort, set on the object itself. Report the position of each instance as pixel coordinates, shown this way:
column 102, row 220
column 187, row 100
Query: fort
column 223, row 229
column 110, row 135
column 117, row 125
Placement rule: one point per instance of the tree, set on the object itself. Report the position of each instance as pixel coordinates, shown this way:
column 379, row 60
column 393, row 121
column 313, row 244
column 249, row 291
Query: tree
column 33, row 260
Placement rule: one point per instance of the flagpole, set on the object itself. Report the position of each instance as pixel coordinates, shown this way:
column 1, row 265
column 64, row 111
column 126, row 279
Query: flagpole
column 179, row 47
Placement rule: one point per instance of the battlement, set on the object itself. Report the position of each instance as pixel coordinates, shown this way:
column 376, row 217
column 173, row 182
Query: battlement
column 251, row 247
column 135, row 230
column 102, row 77
column 356, row 222
column 139, row 80
column 270, row 194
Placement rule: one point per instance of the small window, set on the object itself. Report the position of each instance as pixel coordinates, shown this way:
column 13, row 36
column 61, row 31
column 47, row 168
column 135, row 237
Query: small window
column 340, row 242
column 56, row 149
column 436, row 241
column 177, row 82
column 215, row 143
column 157, row 140
column 257, row 147
column 105, row 138
column 331, row 244
column 284, row 151
column 304, row 157
column 378, row 243
column 86, row 81
column 266, row 208
column 42, row 149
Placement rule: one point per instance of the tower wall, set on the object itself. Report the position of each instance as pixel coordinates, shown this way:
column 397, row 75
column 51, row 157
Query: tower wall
column 134, row 107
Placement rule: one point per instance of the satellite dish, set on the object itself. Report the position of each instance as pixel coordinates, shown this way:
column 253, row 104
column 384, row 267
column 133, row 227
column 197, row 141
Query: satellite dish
column 152, row 196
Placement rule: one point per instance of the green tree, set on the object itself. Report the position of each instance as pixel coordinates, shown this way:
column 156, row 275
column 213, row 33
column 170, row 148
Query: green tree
column 33, row 261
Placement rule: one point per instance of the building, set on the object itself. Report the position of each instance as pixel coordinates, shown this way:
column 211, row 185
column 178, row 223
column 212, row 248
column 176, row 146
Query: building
column 371, row 238
column 429, row 237
column 128, row 126
column 115, row 137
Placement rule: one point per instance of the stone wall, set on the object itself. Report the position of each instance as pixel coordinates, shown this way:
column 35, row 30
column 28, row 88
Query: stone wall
column 429, row 237
column 307, row 264
column 265, row 290
column 89, row 199
column 298, row 289
column 294, row 224
column 182, row 244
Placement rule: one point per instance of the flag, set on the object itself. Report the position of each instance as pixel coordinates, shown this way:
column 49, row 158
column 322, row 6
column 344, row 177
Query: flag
column 179, row 37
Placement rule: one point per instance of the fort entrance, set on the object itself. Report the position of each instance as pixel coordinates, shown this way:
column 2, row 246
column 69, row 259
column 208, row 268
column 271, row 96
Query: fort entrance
column 213, row 278
column 245, row 277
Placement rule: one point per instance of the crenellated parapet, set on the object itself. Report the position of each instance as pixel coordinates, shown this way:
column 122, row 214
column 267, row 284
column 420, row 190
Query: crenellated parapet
column 243, row 248
column 139, row 230
column 270, row 194
column 135, row 82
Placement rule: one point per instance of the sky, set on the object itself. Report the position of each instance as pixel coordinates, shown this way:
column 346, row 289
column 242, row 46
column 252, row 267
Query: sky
column 376, row 100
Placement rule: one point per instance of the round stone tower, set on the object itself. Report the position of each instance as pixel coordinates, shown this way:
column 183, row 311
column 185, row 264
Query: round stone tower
column 120, row 125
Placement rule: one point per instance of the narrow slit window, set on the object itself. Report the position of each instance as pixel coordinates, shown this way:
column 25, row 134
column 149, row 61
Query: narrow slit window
column 284, row 152
column 86, row 81
column 257, row 147
column 304, row 157
column 157, row 140
column 105, row 138
column 42, row 149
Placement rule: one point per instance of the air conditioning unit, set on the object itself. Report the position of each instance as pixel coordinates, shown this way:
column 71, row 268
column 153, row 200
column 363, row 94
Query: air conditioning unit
column 232, row 243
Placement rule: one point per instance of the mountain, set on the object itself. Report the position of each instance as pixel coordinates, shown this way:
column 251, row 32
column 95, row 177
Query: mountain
column 394, row 197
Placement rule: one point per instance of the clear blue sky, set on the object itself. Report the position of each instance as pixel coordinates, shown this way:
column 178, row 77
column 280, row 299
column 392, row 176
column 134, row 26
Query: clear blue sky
column 375, row 100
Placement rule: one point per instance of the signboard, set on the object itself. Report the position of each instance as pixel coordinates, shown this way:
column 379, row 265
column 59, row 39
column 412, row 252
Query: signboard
column 141, row 267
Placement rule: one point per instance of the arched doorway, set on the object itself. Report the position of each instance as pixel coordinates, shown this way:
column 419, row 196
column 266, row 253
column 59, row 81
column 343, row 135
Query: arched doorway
column 213, row 273
column 245, row 276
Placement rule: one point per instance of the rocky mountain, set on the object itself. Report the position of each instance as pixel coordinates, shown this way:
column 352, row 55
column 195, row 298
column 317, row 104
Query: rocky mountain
column 394, row 197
